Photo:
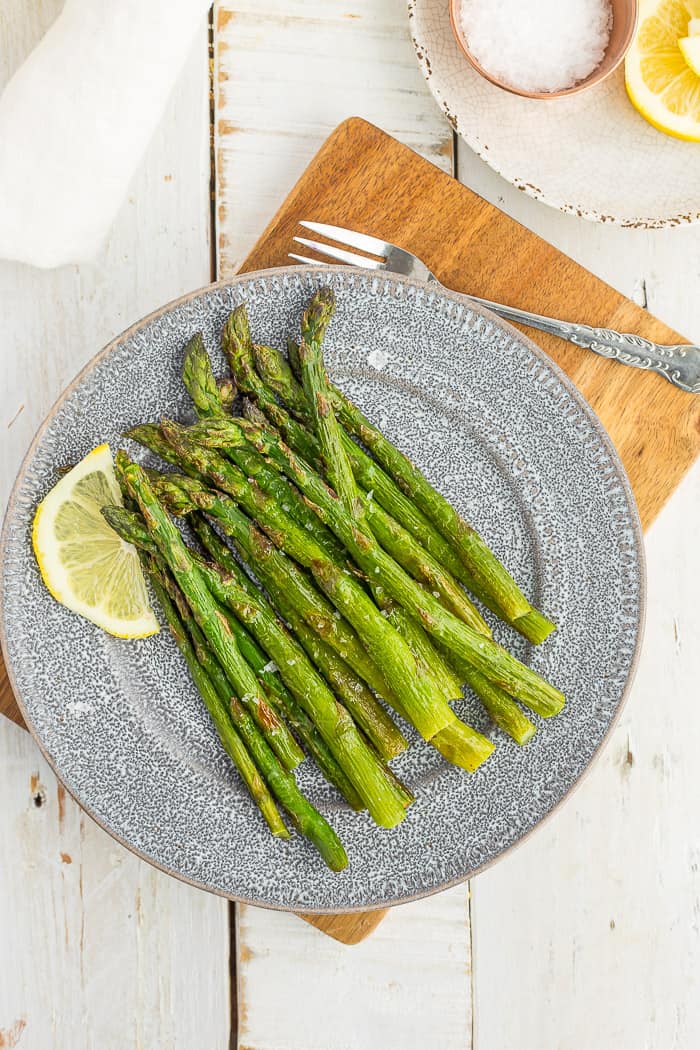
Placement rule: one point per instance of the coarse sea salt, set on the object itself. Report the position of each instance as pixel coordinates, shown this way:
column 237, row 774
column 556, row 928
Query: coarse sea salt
column 537, row 45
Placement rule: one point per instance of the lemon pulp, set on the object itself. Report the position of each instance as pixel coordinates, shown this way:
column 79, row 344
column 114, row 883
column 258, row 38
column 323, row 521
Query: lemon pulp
column 83, row 562
column 662, row 84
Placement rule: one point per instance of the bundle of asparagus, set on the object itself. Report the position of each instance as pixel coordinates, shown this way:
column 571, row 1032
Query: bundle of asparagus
column 330, row 586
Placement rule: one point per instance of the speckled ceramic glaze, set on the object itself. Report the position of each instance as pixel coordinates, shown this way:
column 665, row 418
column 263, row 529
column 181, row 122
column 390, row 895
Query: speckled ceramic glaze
column 589, row 154
column 501, row 432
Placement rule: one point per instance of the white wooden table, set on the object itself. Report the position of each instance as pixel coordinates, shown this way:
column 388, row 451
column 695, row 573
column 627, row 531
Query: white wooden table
column 588, row 935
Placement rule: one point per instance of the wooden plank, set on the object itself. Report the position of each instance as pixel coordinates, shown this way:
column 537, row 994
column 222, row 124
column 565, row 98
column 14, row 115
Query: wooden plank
column 287, row 72
column 473, row 246
column 590, row 932
column 407, row 987
column 105, row 950
column 95, row 935
column 606, row 951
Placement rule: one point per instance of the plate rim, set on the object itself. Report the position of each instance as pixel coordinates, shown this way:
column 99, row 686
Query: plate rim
column 572, row 391
column 425, row 63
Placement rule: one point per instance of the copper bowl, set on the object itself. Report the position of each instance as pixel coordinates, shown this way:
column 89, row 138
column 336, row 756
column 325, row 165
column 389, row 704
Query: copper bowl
column 623, row 27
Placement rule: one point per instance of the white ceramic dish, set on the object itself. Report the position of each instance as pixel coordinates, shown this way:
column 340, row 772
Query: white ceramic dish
column 590, row 154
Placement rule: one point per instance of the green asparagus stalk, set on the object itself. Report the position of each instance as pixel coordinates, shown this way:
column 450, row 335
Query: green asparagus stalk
column 227, row 394
column 275, row 373
column 198, row 377
column 294, row 363
column 224, row 559
column 422, row 647
column 418, row 558
column 270, row 724
column 479, row 559
column 396, row 540
column 314, row 322
column 217, row 706
column 289, row 586
column 183, row 496
column 347, row 687
column 487, row 656
column 131, row 528
column 217, row 632
column 483, row 565
column 421, row 565
column 501, row 707
column 333, row 721
column 423, row 701
column 151, row 437
column 334, row 669
column 365, row 709
column 303, row 680
column 459, row 743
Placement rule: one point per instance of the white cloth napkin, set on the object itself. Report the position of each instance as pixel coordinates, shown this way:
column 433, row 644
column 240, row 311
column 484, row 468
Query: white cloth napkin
column 76, row 118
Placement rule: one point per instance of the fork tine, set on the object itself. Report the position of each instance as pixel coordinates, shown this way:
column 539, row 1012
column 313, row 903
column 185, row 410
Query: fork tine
column 305, row 259
column 351, row 258
column 363, row 241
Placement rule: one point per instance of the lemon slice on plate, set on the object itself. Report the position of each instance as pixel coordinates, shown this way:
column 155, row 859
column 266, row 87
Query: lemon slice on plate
column 664, row 85
column 83, row 562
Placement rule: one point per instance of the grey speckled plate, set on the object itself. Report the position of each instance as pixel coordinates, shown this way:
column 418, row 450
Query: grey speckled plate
column 500, row 430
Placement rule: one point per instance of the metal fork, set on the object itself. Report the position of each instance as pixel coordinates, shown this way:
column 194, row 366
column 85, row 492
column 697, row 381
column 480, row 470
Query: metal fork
column 680, row 364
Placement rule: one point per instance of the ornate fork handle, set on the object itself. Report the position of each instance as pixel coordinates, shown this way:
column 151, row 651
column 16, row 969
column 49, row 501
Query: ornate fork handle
column 679, row 364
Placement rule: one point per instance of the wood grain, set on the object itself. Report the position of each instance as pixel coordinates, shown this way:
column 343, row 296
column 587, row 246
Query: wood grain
column 349, row 928
column 99, row 949
column 407, row 987
column 286, row 73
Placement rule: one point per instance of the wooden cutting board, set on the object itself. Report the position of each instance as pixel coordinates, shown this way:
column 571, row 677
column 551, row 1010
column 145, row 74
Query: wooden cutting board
column 363, row 179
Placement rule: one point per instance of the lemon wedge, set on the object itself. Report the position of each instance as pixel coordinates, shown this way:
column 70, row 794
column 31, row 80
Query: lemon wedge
column 690, row 44
column 83, row 562
column 662, row 85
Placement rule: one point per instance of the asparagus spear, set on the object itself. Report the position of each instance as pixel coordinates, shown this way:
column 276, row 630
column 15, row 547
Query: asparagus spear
column 396, row 540
column 131, row 528
column 182, row 495
column 463, row 746
column 198, row 377
column 425, row 704
column 227, row 393
column 283, row 701
column 479, row 559
column 314, row 322
column 217, row 706
column 293, row 358
column 151, row 437
column 275, row 372
column 332, row 720
column 216, row 630
column 483, row 565
column 501, row 707
column 363, row 707
column 487, row 656
column 275, row 572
